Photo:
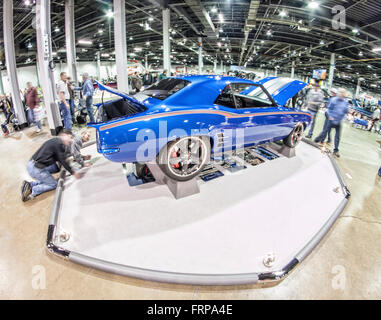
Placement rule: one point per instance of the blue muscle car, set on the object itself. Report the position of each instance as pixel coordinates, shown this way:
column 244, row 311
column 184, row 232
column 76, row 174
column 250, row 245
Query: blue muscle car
column 180, row 121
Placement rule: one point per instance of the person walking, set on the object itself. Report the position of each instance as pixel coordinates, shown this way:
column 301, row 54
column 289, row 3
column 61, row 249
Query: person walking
column 147, row 79
column 332, row 94
column 136, row 83
column 7, row 108
column 375, row 118
column 87, row 93
column 337, row 109
column 33, row 102
column 314, row 102
column 64, row 105
column 44, row 163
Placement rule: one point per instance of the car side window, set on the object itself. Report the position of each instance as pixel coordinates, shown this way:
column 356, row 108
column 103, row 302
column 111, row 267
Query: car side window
column 248, row 95
column 226, row 98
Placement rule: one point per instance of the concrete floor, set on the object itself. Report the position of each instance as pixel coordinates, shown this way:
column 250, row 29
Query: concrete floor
column 345, row 265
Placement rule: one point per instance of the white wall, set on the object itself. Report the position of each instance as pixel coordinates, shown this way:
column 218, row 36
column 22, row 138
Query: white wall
column 29, row 73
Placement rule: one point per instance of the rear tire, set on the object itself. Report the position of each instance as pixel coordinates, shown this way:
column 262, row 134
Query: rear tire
column 184, row 158
column 296, row 135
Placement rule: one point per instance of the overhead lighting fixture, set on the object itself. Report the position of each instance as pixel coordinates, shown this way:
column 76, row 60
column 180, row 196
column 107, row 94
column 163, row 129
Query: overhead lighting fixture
column 27, row 2
column 131, row 38
column 283, row 13
column 269, row 33
column 221, row 30
column 57, row 29
column 214, row 10
column 378, row 49
column 137, row 49
column 361, row 54
column 313, row 5
column 322, row 42
column 355, row 30
column 100, row 45
column 219, row 44
column 150, row 19
column 109, row 13
column 147, row 43
column 105, row 55
column 100, row 31
column 85, row 42
column 221, row 17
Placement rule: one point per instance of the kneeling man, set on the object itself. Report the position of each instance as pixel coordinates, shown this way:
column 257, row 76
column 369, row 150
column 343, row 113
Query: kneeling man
column 44, row 162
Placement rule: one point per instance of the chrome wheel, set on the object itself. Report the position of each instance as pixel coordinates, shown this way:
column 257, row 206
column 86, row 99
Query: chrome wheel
column 186, row 157
column 297, row 134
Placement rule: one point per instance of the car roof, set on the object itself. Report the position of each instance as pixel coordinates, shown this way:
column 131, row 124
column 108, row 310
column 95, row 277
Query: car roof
column 211, row 78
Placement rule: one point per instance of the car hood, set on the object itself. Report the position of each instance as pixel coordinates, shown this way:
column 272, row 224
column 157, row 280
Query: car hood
column 282, row 89
column 126, row 96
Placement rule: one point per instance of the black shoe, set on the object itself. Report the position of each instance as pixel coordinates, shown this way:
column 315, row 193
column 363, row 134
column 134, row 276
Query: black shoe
column 308, row 137
column 336, row 154
column 26, row 191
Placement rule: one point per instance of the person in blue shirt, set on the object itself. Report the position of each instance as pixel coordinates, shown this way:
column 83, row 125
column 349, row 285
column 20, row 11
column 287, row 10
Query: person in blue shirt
column 87, row 93
column 336, row 111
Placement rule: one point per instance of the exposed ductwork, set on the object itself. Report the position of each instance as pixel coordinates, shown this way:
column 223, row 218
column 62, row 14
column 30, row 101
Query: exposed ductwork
column 249, row 25
column 203, row 15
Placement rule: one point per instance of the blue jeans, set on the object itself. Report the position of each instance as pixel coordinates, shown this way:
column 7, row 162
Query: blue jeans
column 326, row 125
column 89, row 107
column 72, row 109
column 66, row 116
column 379, row 171
column 331, row 125
column 313, row 114
column 45, row 182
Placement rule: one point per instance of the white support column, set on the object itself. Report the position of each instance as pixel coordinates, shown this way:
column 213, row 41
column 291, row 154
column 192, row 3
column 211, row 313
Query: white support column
column 358, row 88
column 146, row 62
column 276, row 72
column 10, row 59
column 222, row 66
column 215, row 67
column 166, row 41
column 45, row 59
column 200, row 62
column 1, row 84
column 293, row 70
column 331, row 70
column 99, row 66
column 120, row 44
column 70, row 40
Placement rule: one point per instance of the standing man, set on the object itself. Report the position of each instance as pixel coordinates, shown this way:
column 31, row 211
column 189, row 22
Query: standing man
column 7, row 108
column 64, row 96
column 87, row 93
column 71, row 101
column 147, row 79
column 337, row 109
column 163, row 75
column 33, row 102
column 314, row 101
column 332, row 94
column 375, row 118
column 44, row 162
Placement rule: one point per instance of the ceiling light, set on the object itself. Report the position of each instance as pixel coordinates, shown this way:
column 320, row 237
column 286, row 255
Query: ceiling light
column 355, row 30
column 221, row 30
column 283, row 13
column 105, row 55
column 131, row 38
column 214, row 10
column 109, row 13
column 138, row 49
column 361, row 54
column 85, row 42
column 322, row 42
column 313, row 5
column 378, row 49
column 100, row 31
column 221, row 17
column 56, row 29
column 150, row 19
column 219, row 44
column 147, row 43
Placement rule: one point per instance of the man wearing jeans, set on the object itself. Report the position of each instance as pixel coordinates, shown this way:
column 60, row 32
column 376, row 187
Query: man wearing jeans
column 44, row 162
column 337, row 109
column 314, row 101
column 87, row 93
column 64, row 96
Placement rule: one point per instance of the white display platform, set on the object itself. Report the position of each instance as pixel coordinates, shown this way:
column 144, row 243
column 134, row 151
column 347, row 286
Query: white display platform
column 219, row 236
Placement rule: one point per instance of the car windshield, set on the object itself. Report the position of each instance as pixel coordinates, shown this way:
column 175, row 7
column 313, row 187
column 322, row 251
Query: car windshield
column 165, row 88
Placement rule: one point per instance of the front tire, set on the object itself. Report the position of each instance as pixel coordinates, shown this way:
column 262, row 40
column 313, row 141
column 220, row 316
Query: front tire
column 296, row 135
column 184, row 158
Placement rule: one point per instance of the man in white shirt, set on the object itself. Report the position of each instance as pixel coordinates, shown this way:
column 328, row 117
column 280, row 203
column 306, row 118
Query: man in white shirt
column 64, row 96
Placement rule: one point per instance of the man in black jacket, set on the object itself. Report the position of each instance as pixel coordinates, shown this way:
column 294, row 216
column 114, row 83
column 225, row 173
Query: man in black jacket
column 147, row 79
column 44, row 162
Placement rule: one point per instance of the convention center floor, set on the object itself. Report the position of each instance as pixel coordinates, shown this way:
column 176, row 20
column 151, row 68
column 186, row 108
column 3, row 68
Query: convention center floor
column 345, row 265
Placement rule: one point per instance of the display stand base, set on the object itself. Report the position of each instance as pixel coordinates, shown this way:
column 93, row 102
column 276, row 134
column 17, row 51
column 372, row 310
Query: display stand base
column 179, row 189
